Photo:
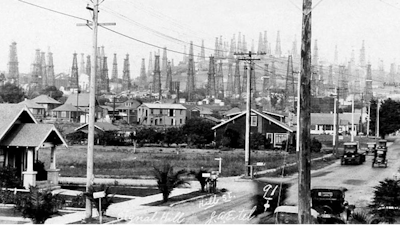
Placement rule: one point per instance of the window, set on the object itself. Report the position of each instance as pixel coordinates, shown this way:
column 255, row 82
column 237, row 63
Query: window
column 279, row 138
column 63, row 114
column 151, row 112
column 253, row 121
column 2, row 157
column 180, row 121
column 161, row 121
column 171, row 112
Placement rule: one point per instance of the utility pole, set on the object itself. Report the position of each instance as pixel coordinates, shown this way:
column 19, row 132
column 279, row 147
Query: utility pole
column 352, row 119
column 377, row 119
column 304, row 181
column 369, row 117
column 335, row 150
column 92, row 100
column 248, row 109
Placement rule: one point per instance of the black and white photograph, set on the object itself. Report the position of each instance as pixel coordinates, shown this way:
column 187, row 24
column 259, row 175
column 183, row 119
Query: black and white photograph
column 200, row 112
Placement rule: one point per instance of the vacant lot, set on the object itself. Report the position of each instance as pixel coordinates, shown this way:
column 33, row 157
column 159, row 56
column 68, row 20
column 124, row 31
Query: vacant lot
column 123, row 162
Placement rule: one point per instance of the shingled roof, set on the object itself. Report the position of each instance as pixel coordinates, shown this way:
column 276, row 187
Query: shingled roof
column 31, row 104
column 82, row 99
column 66, row 107
column 44, row 99
column 10, row 113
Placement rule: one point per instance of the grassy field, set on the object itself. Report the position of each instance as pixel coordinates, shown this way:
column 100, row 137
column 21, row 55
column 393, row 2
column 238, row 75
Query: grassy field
column 122, row 162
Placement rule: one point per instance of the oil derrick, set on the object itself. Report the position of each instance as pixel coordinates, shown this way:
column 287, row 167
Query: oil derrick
column 336, row 58
column 74, row 79
column 216, row 50
column 290, row 91
column 236, row 82
column 143, row 77
column 244, row 79
column 157, row 76
column 185, row 56
column 36, row 73
column 362, row 55
column 44, row 69
column 190, row 87
column 321, row 87
column 88, row 66
column 82, row 64
column 265, row 45
column 392, row 73
column 219, row 82
column 234, row 44
column 13, row 70
column 221, row 48
column 168, row 85
column 382, row 71
column 229, row 87
column 239, row 43
column 164, row 63
column 50, row 70
column 294, row 48
column 105, row 79
column 253, row 82
column 356, row 85
column 126, row 77
column 265, row 88
column 211, row 78
column 315, row 58
column 114, row 76
column 150, row 67
column 368, row 85
column 330, row 78
column 244, row 43
column 313, row 80
column 202, row 51
column 278, row 51
column 349, row 74
column 260, row 43
column 343, row 83
column 231, row 50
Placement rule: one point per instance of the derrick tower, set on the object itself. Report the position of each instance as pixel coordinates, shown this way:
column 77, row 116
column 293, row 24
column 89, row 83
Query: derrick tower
column 51, row 80
column 278, row 51
column 260, row 43
column 219, row 82
column 236, row 81
column 368, row 85
column 74, row 79
column 114, row 76
column 13, row 69
column 294, row 47
column 392, row 73
column 88, row 67
column 265, row 87
column 105, row 80
column 164, row 63
column 231, row 50
column 169, row 85
column 320, row 90
column 229, row 87
column 211, row 78
column 343, row 82
column 253, row 80
column 290, row 86
column 36, row 72
column 126, row 77
column 272, row 78
column 202, row 56
column 150, row 68
column 362, row 55
column 185, row 56
column 315, row 58
column 157, row 76
column 330, row 78
column 239, row 43
column 43, row 69
column 244, row 43
column 143, row 77
column 265, row 45
column 82, row 64
column 216, row 50
column 221, row 48
column 190, row 86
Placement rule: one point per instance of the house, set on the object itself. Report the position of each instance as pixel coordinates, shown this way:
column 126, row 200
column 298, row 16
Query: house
column 38, row 111
column 99, row 129
column 67, row 113
column 47, row 102
column 159, row 114
column 82, row 101
column 128, row 110
column 272, row 129
column 22, row 138
column 199, row 111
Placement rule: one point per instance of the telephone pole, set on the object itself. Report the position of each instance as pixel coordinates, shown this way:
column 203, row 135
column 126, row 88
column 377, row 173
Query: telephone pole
column 304, row 181
column 92, row 100
column 248, row 109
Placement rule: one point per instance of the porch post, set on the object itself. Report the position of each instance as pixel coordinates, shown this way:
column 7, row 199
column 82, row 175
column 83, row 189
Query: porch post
column 29, row 175
column 52, row 172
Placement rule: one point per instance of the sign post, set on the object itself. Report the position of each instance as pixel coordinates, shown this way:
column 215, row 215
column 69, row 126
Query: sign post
column 99, row 195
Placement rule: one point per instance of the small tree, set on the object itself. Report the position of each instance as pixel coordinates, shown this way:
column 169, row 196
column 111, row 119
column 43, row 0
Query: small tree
column 386, row 201
column 12, row 93
column 39, row 205
column 167, row 180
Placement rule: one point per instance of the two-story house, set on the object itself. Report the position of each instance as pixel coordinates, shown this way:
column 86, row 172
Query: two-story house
column 127, row 110
column 159, row 114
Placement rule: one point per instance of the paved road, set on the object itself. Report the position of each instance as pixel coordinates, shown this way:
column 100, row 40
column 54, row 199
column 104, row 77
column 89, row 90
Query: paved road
column 234, row 208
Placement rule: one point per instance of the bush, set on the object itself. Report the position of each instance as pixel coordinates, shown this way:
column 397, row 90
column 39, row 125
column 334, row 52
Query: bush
column 105, row 202
column 38, row 166
column 315, row 145
column 257, row 141
column 9, row 178
column 76, row 137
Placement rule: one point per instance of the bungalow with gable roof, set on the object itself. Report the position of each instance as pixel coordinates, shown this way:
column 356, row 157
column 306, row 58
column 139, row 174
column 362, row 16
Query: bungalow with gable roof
column 21, row 139
column 47, row 102
column 82, row 101
column 271, row 128
column 37, row 110
column 67, row 113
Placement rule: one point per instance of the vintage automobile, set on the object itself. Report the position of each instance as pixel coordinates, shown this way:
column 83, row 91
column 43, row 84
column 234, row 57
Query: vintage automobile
column 328, row 200
column 351, row 154
column 380, row 157
column 371, row 147
column 287, row 214
column 382, row 144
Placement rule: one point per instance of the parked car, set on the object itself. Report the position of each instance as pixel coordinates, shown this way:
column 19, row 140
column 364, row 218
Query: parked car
column 371, row 147
column 352, row 154
column 289, row 215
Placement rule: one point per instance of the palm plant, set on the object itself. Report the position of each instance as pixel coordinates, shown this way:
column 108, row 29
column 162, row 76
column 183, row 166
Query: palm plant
column 386, row 201
column 39, row 205
column 359, row 217
column 167, row 180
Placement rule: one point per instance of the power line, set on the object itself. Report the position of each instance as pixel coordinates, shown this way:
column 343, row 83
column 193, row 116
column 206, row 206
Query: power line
column 52, row 10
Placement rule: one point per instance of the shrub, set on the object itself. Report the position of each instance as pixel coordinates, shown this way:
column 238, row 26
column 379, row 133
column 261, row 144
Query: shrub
column 315, row 145
column 105, row 202
column 167, row 180
column 9, row 178
column 76, row 137
column 39, row 205
column 38, row 166
column 257, row 141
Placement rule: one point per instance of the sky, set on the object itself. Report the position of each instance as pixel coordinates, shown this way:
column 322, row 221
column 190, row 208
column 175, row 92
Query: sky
column 174, row 23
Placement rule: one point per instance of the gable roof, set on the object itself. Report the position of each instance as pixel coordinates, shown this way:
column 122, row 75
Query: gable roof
column 203, row 110
column 83, row 100
column 10, row 113
column 31, row 104
column 44, row 99
column 33, row 135
column 66, row 107
column 103, row 126
column 283, row 125
column 163, row 106
column 232, row 111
